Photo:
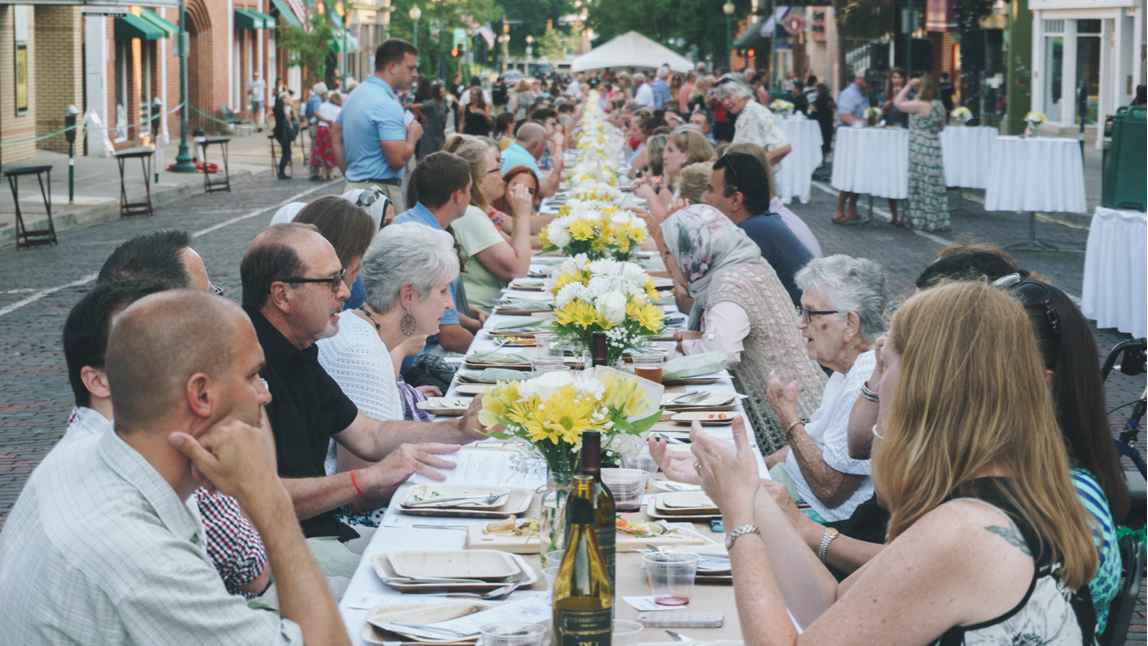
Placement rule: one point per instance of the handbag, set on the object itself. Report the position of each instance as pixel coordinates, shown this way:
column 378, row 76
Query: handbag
column 430, row 370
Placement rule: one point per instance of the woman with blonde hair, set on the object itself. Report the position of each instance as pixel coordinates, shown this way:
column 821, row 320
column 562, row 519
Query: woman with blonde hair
column 626, row 85
column 928, row 204
column 987, row 543
column 699, row 95
column 520, row 99
column 684, row 146
column 695, row 179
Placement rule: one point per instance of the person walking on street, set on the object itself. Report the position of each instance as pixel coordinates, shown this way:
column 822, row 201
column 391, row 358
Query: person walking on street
column 285, row 131
column 318, row 96
column 928, row 203
column 257, row 92
column 372, row 141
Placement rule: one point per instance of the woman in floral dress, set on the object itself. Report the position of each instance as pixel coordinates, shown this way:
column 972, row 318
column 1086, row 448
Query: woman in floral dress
column 928, row 207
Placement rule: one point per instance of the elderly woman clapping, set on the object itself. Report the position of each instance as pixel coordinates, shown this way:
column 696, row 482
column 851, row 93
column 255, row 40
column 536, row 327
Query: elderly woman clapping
column 842, row 313
column 406, row 274
column 740, row 308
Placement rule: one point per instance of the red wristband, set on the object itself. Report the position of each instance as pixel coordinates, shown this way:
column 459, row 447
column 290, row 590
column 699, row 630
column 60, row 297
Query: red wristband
column 357, row 485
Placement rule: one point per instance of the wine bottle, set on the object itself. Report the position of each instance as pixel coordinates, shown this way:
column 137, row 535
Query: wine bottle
column 604, row 518
column 582, row 601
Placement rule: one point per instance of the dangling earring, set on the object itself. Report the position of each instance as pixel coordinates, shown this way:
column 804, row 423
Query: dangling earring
column 407, row 323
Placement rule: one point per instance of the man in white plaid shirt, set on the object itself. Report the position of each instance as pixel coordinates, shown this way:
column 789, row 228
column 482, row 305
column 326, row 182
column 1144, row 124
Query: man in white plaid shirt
column 104, row 546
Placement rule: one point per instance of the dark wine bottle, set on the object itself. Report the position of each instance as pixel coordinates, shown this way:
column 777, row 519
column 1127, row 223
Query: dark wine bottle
column 604, row 518
column 582, row 600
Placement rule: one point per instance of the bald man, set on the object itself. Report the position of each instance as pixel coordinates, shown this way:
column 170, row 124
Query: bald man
column 293, row 291
column 527, row 148
column 104, row 545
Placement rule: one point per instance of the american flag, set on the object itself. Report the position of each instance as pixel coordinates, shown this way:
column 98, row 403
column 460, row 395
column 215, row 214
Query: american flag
column 300, row 12
column 487, row 34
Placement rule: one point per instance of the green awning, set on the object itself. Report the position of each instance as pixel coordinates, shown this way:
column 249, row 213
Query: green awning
column 746, row 40
column 337, row 42
column 244, row 19
column 129, row 26
column 154, row 18
column 269, row 22
column 287, row 13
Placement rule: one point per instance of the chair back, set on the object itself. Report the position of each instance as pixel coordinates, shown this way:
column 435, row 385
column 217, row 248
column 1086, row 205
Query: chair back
column 1124, row 603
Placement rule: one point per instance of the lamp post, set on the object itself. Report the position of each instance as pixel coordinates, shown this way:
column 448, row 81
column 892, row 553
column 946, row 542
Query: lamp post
column 184, row 162
column 728, row 10
column 529, row 52
column 415, row 13
column 504, row 39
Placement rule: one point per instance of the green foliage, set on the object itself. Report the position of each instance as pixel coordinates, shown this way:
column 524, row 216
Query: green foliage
column 308, row 49
column 555, row 45
column 701, row 28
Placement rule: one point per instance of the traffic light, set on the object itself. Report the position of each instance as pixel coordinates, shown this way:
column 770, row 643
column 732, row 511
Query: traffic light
column 454, row 53
column 751, row 53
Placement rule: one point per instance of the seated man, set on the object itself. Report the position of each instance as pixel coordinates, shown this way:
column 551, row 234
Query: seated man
column 293, row 290
column 165, row 256
column 233, row 544
column 527, row 148
column 700, row 119
column 102, row 546
column 739, row 188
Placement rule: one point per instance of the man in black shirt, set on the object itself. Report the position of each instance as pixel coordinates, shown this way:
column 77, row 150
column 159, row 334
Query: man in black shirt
column 293, row 290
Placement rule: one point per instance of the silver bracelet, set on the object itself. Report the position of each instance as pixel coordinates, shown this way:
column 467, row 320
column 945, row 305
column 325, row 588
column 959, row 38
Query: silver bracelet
column 869, row 394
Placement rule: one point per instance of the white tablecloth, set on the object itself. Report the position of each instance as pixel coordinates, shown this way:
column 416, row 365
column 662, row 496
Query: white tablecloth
column 796, row 176
column 1116, row 271
column 966, row 152
column 873, row 161
column 1036, row 174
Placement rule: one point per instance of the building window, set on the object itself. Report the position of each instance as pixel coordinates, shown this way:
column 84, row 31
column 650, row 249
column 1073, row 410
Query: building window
column 1088, row 26
column 1054, row 26
column 123, row 55
column 21, row 47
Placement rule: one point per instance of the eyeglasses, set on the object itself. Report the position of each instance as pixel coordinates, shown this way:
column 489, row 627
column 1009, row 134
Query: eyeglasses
column 334, row 281
column 217, row 290
column 724, row 163
column 1032, row 293
column 806, row 316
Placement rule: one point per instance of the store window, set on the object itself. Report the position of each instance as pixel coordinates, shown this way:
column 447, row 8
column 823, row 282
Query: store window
column 1054, row 74
column 1087, row 69
column 123, row 57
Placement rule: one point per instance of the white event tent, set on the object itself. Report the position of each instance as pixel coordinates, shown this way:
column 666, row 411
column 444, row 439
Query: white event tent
column 631, row 50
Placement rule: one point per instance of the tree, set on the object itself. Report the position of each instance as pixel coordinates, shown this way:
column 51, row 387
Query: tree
column 701, row 27
column 555, row 45
column 308, row 50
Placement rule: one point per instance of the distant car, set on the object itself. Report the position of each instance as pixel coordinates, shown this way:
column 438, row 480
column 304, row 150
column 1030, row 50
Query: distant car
column 544, row 69
column 511, row 76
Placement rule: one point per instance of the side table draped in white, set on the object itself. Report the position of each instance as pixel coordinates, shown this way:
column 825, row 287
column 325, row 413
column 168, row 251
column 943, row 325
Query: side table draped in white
column 873, row 161
column 1115, row 291
column 795, row 179
column 1035, row 174
column 966, row 151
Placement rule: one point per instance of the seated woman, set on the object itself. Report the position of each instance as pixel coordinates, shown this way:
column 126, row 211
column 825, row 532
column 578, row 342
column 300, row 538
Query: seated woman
column 683, row 147
column 739, row 308
column 1068, row 352
column 695, row 178
column 987, row 543
column 519, row 176
column 407, row 273
column 842, row 313
column 791, row 220
column 490, row 261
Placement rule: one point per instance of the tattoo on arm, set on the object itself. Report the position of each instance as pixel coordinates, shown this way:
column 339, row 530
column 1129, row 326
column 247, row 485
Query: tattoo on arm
column 1012, row 536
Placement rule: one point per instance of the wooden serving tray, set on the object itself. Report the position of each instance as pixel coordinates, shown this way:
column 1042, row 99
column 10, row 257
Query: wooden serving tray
column 518, row 502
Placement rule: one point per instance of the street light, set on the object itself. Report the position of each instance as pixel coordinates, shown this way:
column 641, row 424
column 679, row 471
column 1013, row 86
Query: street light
column 529, row 52
column 728, row 10
column 415, row 13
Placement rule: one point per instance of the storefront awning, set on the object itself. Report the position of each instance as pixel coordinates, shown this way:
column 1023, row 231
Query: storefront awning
column 154, row 18
column 269, row 22
column 745, row 40
column 288, row 13
column 131, row 26
column 244, row 19
column 337, row 42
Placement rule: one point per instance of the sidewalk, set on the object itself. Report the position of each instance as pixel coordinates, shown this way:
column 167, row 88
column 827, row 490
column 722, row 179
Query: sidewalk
column 97, row 183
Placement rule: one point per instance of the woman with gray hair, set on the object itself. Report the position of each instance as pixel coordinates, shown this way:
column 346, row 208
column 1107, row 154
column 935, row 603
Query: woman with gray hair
column 755, row 122
column 406, row 272
column 842, row 313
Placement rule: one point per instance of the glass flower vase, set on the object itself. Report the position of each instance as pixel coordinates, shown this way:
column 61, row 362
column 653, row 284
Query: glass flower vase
column 552, row 519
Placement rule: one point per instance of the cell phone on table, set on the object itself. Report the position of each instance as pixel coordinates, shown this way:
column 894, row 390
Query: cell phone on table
column 674, row 619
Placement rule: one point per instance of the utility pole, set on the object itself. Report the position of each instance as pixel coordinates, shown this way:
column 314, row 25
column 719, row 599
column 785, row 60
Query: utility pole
column 184, row 162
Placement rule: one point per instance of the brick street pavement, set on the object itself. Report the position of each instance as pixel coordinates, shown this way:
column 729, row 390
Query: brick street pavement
column 41, row 284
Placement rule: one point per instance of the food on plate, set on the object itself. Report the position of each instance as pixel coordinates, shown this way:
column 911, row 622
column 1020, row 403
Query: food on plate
column 718, row 416
column 639, row 529
column 510, row 526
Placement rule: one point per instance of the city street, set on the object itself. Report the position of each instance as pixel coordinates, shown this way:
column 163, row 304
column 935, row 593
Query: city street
column 41, row 284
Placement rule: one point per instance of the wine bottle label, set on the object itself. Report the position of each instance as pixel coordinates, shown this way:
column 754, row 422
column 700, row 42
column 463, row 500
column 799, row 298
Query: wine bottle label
column 607, row 536
column 584, row 627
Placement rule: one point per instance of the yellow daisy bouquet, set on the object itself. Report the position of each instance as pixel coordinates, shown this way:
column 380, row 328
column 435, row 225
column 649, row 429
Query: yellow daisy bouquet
column 594, row 229
column 604, row 296
column 962, row 114
column 553, row 410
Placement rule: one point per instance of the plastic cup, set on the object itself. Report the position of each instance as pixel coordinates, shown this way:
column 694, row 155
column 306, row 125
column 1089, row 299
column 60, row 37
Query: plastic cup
column 553, row 558
column 627, row 486
column 641, row 460
column 544, row 364
column 671, row 576
column 550, row 573
column 544, row 344
column 648, row 363
column 626, row 633
column 513, row 634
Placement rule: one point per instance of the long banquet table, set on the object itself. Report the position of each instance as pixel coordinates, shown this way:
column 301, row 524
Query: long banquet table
column 500, row 463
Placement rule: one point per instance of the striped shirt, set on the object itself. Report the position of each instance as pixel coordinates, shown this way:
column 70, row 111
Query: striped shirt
column 1106, row 582
column 99, row 549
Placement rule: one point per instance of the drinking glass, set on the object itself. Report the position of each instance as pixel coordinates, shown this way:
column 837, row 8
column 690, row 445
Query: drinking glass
column 671, row 576
column 648, row 363
column 627, row 486
column 513, row 634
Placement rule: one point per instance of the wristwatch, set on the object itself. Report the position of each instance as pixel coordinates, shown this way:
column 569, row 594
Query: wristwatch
column 826, row 539
column 738, row 532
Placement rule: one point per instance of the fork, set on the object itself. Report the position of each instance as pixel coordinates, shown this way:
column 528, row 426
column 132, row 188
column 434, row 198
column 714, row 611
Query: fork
column 411, row 624
column 493, row 594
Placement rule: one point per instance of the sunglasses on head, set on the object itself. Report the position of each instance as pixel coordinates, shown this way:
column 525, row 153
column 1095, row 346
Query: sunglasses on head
column 1032, row 293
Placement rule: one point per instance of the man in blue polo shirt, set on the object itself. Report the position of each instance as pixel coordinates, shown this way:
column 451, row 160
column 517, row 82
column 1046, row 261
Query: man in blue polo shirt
column 527, row 149
column 851, row 106
column 739, row 188
column 442, row 184
column 371, row 140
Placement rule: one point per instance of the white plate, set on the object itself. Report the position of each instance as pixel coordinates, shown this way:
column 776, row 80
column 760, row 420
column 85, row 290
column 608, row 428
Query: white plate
column 525, row 577
column 445, row 405
column 706, row 418
column 483, row 565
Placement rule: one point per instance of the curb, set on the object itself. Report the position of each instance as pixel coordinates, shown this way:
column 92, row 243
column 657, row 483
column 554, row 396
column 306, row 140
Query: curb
column 82, row 217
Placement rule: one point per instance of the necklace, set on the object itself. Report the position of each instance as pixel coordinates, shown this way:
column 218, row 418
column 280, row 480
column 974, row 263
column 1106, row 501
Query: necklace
column 363, row 309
